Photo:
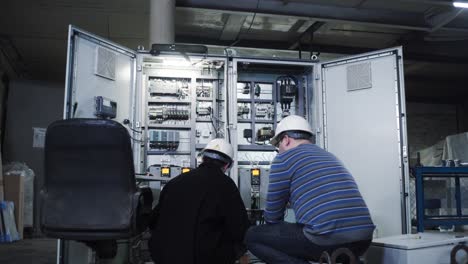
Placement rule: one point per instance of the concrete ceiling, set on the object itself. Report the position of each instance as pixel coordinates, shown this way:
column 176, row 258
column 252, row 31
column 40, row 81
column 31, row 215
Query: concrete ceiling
column 433, row 33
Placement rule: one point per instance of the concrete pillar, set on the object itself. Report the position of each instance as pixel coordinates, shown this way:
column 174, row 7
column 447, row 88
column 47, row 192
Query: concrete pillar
column 162, row 22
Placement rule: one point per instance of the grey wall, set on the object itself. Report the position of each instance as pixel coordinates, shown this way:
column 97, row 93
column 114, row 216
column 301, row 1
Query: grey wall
column 31, row 104
column 429, row 123
column 463, row 116
column 3, row 91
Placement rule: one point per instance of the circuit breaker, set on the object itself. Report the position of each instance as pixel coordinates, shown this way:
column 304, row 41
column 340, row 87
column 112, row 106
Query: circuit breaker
column 287, row 88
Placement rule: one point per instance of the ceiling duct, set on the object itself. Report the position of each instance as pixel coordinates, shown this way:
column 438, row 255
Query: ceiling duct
column 162, row 23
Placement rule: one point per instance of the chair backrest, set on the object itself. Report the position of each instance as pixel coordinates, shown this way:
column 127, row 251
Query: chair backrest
column 89, row 186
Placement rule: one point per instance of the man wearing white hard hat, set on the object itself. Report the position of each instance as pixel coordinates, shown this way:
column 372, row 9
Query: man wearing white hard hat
column 200, row 217
column 329, row 209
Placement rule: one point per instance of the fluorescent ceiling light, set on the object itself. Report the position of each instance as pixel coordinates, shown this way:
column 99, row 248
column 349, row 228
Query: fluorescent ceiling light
column 460, row 4
column 176, row 62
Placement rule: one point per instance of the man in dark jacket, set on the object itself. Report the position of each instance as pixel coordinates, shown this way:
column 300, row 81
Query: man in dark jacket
column 200, row 217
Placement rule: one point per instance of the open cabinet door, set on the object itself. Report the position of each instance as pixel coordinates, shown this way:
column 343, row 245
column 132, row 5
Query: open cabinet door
column 364, row 125
column 98, row 67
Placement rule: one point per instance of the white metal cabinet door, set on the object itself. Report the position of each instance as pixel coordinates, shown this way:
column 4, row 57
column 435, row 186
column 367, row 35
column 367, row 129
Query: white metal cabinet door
column 98, row 67
column 363, row 125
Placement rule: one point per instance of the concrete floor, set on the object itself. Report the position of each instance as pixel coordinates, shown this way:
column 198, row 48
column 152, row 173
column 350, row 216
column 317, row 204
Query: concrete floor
column 28, row 251
column 42, row 251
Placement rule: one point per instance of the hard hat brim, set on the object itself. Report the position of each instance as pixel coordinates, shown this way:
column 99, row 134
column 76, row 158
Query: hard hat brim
column 274, row 140
column 217, row 155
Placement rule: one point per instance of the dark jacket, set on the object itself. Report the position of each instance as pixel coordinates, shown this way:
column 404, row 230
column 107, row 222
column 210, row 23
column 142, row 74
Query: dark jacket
column 200, row 218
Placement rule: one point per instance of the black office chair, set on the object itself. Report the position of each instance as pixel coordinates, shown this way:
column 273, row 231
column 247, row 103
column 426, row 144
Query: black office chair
column 90, row 194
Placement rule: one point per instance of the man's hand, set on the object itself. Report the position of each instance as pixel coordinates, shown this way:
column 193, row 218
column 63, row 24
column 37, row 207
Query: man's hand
column 244, row 259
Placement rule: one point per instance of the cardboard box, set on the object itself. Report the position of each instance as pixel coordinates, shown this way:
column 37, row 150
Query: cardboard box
column 14, row 191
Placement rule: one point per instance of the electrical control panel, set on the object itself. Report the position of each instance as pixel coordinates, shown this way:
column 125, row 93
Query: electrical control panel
column 172, row 103
column 185, row 109
column 265, row 94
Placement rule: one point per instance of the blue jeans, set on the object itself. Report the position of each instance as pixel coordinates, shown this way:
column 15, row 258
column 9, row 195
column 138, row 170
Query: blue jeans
column 280, row 243
column 285, row 243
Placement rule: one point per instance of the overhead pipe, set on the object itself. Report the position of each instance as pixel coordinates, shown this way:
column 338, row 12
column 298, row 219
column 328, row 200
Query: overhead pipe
column 375, row 17
column 162, row 22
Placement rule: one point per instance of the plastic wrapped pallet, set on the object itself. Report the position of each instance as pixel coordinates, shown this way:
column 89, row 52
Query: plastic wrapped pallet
column 453, row 147
column 432, row 156
column 19, row 168
column 456, row 147
column 8, row 232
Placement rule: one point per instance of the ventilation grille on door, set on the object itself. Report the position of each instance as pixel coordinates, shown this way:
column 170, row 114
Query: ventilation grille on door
column 359, row 76
column 105, row 63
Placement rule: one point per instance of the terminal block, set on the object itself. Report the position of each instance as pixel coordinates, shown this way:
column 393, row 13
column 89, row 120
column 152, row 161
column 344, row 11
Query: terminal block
column 168, row 112
column 263, row 111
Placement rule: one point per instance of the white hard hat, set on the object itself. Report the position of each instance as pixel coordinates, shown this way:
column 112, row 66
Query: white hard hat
column 291, row 123
column 219, row 145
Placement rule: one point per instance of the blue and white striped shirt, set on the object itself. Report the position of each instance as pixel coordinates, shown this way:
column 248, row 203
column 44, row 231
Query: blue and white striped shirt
column 320, row 190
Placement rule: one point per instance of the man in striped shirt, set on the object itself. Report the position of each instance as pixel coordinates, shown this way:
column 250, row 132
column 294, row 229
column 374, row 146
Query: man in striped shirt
column 330, row 211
